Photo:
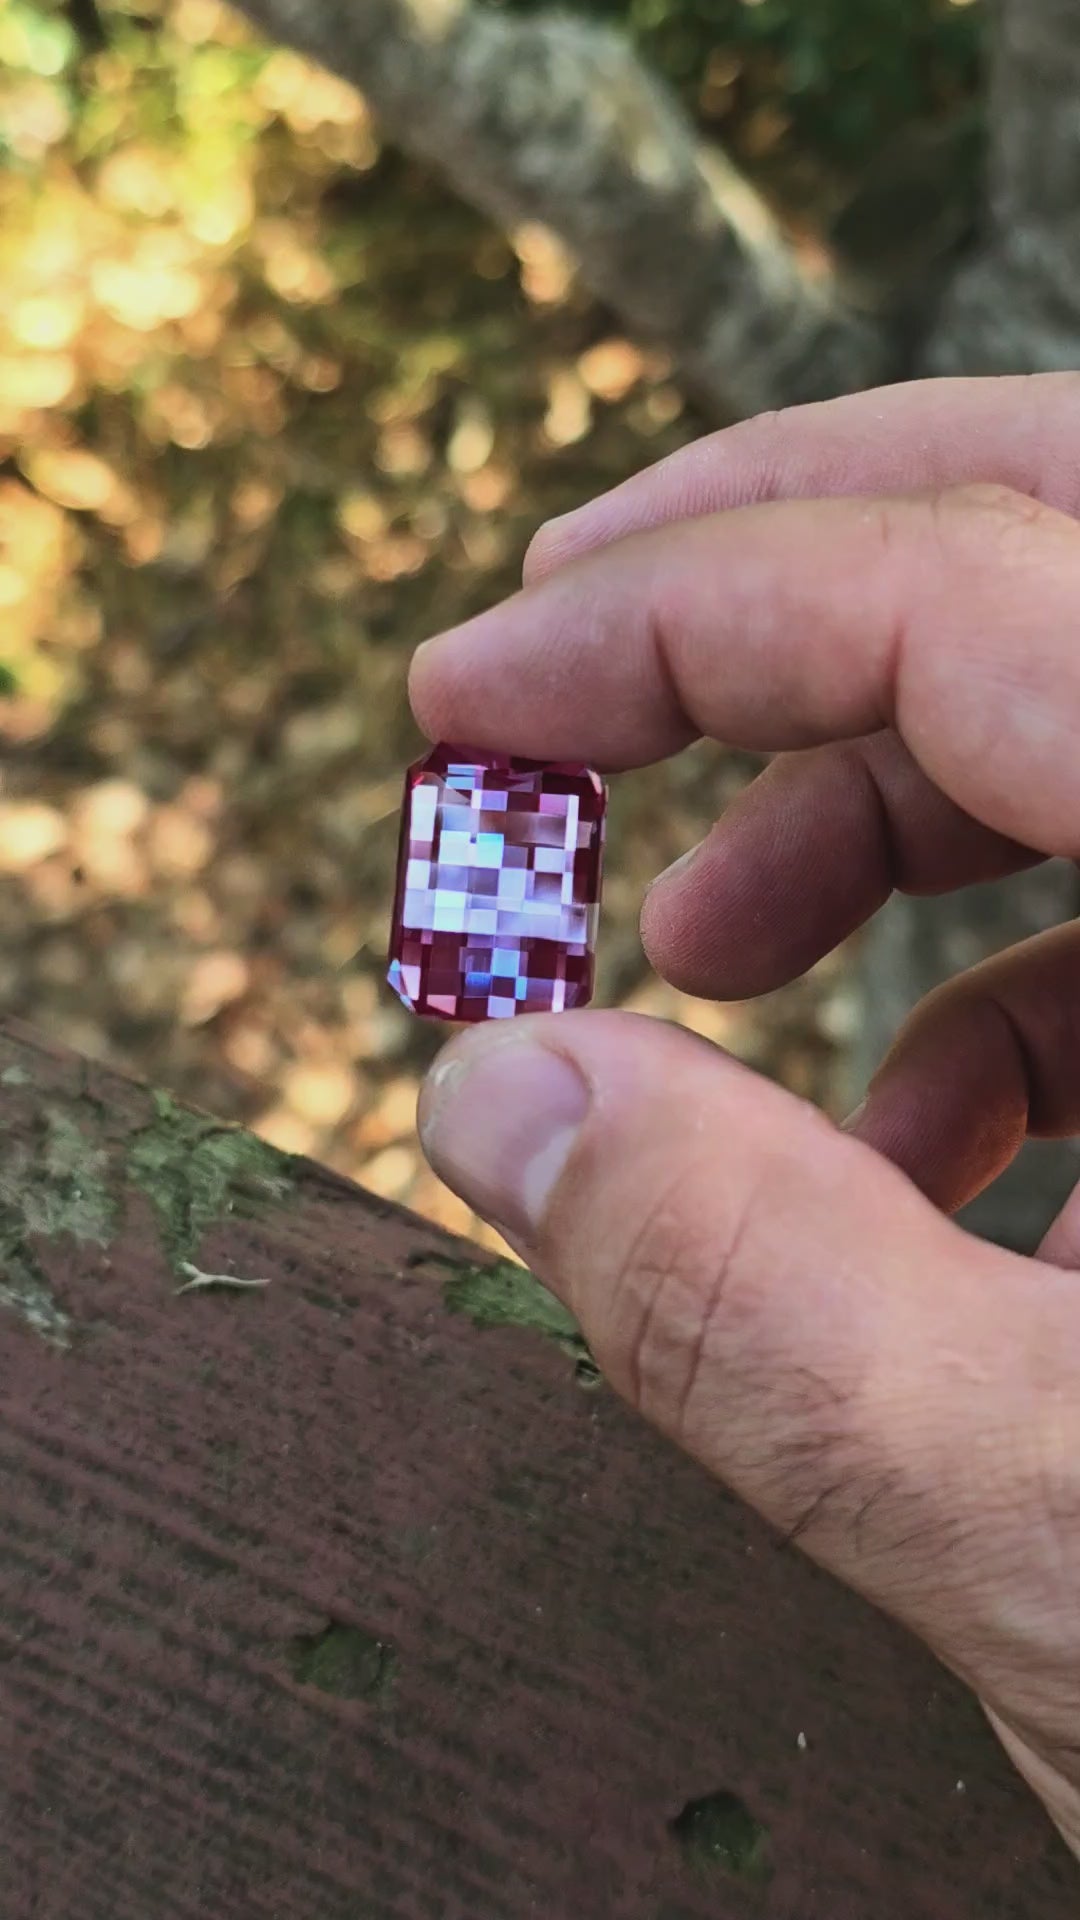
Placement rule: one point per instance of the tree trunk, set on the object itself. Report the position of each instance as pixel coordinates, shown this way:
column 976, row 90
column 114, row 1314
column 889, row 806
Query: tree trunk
column 1013, row 308
column 552, row 120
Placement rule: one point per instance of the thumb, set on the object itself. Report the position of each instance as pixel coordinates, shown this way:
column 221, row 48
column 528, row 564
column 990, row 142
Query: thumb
column 783, row 1303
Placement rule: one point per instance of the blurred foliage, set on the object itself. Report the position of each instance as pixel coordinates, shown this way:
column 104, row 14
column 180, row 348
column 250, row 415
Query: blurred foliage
column 273, row 406
column 843, row 76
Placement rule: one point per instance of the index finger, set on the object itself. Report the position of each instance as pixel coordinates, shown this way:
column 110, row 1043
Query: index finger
column 1020, row 431
column 952, row 617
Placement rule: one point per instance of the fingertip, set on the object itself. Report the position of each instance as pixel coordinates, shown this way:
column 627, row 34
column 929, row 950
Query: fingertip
column 668, row 924
column 499, row 1117
column 444, row 673
column 550, row 547
column 597, row 523
column 726, row 921
column 422, row 685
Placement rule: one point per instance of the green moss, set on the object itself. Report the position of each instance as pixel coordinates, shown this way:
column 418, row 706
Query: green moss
column 65, row 1185
column 55, row 1184
column 344, row 1661
column 720, row 1832
column 59, row 1181
column 506, row 1295
column 195, row 1171
column 25, row 1290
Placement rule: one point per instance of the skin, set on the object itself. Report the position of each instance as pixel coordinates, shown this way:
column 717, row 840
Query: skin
column 884, row 593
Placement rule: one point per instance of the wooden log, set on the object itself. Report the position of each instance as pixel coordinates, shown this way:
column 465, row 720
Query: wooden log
column 320, row 1600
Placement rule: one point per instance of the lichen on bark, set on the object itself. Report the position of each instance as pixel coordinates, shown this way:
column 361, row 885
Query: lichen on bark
column 195, row 1171
column 59, row 1177
column 52, row 1184
column 506, row 1295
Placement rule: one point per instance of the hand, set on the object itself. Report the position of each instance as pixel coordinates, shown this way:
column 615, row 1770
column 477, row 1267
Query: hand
column 885, row 592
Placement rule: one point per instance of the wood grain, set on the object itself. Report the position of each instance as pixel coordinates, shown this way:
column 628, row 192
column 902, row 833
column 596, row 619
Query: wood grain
column 545, row 1633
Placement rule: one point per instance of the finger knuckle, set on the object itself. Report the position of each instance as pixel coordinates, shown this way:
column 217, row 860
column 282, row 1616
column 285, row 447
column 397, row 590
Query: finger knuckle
column 981, row 517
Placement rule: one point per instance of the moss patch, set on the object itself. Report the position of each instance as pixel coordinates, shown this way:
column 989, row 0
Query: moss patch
column 194, row 1171
column 25, row 1291
column 506, row 1295
column 720, row 1832
column 57, row 1179
column 55, row 1184
column 344, row 1661
column 65, row 1186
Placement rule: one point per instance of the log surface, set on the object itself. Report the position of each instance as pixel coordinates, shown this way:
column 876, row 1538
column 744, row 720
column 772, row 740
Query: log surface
column 320, row 1602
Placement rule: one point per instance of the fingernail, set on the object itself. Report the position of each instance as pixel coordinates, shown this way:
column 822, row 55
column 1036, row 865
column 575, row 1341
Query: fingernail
column 680, row 865
column 852, row 1121
column 499, row 1116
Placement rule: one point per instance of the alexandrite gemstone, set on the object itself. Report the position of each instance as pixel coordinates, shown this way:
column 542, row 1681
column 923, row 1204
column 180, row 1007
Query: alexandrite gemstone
column 498, row 886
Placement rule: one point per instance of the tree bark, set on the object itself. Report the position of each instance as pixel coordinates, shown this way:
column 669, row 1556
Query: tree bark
column 1014, row 307
column 554, row 120
column 319, row 1601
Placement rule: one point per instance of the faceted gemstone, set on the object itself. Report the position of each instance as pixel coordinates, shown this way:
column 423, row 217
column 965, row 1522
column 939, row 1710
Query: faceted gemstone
column 498, row 886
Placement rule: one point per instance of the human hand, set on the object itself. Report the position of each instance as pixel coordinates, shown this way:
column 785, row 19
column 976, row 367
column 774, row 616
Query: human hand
column 788, row 1299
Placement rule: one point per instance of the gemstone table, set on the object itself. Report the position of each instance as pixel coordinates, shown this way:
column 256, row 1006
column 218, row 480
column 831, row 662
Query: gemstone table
column 498, row 886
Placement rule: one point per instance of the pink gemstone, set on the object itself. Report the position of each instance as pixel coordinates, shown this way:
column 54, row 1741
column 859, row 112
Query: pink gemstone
column 498, row 886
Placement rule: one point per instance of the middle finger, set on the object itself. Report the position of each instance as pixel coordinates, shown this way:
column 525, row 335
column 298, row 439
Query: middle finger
column 803, row 857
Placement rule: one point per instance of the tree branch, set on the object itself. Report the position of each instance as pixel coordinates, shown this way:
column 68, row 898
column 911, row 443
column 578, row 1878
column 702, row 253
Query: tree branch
column 553, row 120
column 1016, row 307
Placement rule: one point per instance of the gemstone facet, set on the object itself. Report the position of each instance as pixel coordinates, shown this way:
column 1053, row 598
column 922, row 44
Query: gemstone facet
column 498, row 886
